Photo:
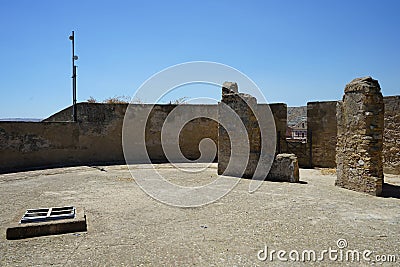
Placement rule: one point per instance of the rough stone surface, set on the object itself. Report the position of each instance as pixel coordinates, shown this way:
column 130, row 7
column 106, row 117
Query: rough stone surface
column 91, row 112
column 96, row 138
column 279, row 111
column 190, row 135
column 360, row 137
column 285, row 168
column 243, row 105
column 322, row 130
column 126, row 227
column 229, row 88
column 321, row 121
column 391, row 135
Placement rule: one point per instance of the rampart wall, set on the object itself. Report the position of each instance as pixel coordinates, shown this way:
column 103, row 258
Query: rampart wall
column 96, row 137
column 322, row 125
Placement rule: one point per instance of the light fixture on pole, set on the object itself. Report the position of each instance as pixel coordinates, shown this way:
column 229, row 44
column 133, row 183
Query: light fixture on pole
column 74, row 57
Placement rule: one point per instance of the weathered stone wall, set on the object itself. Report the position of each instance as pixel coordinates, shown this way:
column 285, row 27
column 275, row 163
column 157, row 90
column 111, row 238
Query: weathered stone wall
column 106, row 119
column 360, row 137
column 319, row 151
column 391, row 135
column 244, row 106
column 322, row 130
column 244, row 134
column 91, row 112
column 28, row 144
column 301, row 150
column 321, row 122
column 95, row 139
column 190, row 136
column 279, row 111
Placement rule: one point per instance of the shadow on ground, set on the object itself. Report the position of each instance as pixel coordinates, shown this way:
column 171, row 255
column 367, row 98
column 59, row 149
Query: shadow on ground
column 390, row 190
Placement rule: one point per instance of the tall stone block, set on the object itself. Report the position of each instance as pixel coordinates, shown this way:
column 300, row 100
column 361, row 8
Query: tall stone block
column 243, row 105
column 241, row 152
column 279, row 110
column 322, row 131
column 391, row 135
column 360, row 136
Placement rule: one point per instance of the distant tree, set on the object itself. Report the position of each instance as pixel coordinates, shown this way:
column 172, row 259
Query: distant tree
column 91, row 100
column 117, row 100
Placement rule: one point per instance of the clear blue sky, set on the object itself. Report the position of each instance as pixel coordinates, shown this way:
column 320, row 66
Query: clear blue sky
column 296, row 51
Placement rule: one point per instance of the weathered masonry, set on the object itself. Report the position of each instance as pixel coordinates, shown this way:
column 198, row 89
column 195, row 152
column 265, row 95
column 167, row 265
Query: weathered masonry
column 360, row 137
column 96, row 137
column 391, row 135
column 320, row 150
column 243, row 106
column 241, row 143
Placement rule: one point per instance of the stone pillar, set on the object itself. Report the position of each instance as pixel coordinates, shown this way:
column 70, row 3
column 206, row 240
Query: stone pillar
column 360, row 137
column 243, row 105
column 244, row 158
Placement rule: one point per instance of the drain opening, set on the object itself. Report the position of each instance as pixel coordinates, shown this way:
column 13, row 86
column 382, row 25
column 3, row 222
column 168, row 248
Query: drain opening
column 48, row 214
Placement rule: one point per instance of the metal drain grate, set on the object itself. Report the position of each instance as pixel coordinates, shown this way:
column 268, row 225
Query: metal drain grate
column 48, row 214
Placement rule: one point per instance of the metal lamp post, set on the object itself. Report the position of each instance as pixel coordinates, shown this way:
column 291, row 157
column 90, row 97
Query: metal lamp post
column 74, row 57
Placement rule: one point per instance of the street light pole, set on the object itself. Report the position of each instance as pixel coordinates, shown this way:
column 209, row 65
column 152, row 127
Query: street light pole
column 74, row 57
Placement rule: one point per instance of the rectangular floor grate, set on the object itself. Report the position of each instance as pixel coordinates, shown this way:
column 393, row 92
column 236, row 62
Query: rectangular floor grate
column 48, row 214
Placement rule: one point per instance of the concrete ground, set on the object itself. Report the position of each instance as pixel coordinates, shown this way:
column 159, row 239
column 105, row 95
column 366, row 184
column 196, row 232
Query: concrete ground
column 127, row 227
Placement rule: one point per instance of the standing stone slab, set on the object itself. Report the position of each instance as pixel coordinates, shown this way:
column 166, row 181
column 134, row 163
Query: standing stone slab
column 241, row 154
column 360, row 137
column 322, row 128
column 243, row 105
column 285, row 168
column 391, row 136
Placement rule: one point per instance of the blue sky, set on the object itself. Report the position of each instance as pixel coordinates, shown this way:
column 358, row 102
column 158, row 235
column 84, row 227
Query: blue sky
column 296, row 51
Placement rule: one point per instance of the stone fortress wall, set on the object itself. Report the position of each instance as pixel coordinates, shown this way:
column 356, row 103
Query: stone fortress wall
column 96, row 137
column 320, row 151
column 322, row 124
